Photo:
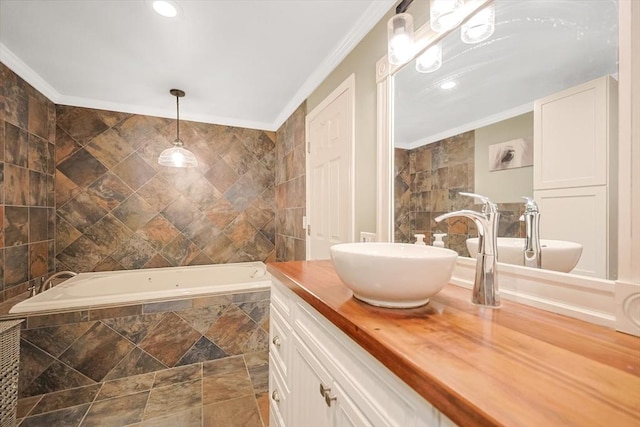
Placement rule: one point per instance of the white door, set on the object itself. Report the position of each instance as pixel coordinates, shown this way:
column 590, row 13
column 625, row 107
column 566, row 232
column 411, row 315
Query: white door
column 330, row 142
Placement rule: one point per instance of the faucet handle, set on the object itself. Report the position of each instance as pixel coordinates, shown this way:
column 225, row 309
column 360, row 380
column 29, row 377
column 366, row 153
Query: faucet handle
column 530, row 205
column 489, row 206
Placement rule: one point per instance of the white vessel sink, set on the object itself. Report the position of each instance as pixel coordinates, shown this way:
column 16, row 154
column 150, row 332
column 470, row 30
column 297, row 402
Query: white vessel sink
column 557, row 255
column 393, row 274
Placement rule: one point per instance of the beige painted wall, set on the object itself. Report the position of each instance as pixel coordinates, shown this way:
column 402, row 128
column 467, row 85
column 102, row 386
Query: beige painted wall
column 505, row 186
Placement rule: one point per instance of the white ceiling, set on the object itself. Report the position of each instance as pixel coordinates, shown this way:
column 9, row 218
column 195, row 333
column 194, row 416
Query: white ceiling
column 246, row 63
column 539, row 47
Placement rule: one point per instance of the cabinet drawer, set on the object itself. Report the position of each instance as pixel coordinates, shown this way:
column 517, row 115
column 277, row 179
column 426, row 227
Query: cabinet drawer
column 278, row 396
column 279, row 298
column 279, row 341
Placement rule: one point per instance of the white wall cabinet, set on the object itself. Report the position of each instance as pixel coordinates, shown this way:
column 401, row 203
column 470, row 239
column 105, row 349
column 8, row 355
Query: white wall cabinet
column 330, row 380
column 575, row 171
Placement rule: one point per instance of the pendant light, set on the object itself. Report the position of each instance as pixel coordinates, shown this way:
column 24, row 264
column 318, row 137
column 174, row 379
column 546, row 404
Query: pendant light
column 177, row 156
column 480, row 27
column 445, row 14
column 400, row 38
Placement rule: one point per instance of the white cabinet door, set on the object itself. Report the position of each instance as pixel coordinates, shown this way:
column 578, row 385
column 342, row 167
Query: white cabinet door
column 347, row 412
column 308, row 404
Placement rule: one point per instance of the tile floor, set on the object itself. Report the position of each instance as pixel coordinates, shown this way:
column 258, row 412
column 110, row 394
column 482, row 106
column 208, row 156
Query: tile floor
column 229, row 392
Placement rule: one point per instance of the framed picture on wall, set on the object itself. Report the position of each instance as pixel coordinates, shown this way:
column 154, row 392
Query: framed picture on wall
column 517, row 153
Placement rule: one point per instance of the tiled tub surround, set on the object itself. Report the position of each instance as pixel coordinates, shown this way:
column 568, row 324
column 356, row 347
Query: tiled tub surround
column 118, row 209
column 427, row 182
column 290, row 187
column 196, row 359
column 27, row 213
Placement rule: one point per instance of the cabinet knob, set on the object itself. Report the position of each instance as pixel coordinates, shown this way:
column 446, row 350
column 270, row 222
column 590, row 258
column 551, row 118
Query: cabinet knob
column 276, row 341
column 328, row 399
column 275, row 396
column 324, row 390
column 326, row 393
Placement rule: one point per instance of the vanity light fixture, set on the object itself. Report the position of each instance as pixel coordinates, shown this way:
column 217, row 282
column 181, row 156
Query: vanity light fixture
column 177, row 156
column 480, row 27
column 430, row 60
column 166, row 8
column 448, row 85
column 400, row 38
column 445, row 14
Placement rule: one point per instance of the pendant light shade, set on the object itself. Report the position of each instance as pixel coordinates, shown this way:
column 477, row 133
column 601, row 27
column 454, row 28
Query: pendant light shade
column 445, row 14
column 400, row 38
column 480, row 27
column 177, row 156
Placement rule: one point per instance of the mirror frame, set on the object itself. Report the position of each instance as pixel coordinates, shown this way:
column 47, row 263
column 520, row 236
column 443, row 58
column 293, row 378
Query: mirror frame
column 564, row 293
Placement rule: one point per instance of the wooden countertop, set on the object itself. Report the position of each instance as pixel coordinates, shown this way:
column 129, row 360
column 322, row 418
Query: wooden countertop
column 514, row 366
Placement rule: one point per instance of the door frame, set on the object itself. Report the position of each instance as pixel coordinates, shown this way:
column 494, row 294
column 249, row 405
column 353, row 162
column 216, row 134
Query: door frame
column 349, row 84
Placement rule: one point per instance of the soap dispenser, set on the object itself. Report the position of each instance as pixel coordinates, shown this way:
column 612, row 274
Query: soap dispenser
column 437, row 239
column 420, row 239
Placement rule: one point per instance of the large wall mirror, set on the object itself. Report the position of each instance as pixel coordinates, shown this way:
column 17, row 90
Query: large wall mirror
column 470, row 126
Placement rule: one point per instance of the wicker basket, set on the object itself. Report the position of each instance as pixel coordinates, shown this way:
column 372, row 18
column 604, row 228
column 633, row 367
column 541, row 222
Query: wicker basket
column 9, row 363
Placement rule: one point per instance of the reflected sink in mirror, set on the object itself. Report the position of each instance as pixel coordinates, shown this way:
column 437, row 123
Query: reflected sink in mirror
column 557, row 255
column 393, row 275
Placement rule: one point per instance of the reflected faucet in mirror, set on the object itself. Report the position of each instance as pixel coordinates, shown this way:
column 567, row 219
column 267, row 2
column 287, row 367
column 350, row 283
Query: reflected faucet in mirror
column 485, row 287
column 531, row 218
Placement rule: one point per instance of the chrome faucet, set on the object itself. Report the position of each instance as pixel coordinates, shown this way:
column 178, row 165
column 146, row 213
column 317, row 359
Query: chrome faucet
column 531, row 218
column 48, row 283
column 485, row 287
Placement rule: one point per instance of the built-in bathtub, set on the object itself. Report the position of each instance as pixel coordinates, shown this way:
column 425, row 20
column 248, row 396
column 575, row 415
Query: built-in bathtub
column 120, row 328
column 118, row 287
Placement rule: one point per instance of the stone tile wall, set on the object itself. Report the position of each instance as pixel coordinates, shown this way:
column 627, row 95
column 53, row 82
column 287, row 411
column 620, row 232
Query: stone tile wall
column 427, row 182
column 86, row 357
column 27, row 213
column 290, row 187
column 118, row 209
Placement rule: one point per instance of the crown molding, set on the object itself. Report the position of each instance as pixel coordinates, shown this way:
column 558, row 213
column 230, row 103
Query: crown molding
column 8, row 58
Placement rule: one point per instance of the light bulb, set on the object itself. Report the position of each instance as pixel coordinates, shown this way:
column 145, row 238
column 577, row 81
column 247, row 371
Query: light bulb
column 480, row 26
column 400, row 38
column 177, row 158
column 430, row 60
column 445, row 14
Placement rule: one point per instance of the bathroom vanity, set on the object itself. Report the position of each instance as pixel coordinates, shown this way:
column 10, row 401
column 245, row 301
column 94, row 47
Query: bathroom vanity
column 339, row 362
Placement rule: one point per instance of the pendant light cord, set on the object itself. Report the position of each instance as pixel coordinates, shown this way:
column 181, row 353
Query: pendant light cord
column 177, row 118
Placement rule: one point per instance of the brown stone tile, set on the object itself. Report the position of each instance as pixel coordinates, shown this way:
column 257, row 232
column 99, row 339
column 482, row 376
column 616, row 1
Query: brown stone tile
column 170, row 339
column 158, row 232
column 111, row 313
column 226, row 385
column 38, row 259
column 221, row 176
column 116, row 412
column 134, row 171
column 221, row 213
column 189, row 418
column 158, row 192
column 126, row 386
column 109, row 191
column 220, row 249
column 65, row 145
column 66, row 398
column 135, row 212
column 97, row 352
column 166, row 306
column 202, row 351
column 140, row 130
column 38, row 154
column 241, row 412
column 202, row 318
column 49, row 320
column 69, row 417
column 242, row 193
column 200, row 192
column 56, row 377
column 81, row 255
column 108, row 264
column 65, row 235
column 82, row 168
column 181, row 212
column 33, row 362
column 178, row 375
column 37, row 189
column 232, row 330
column 38, row 116
column 180, row 251
column 108, row 234
column 55, row 339
column 259, row 376
column 16, row 265
column 111, row 118
column 16, row 225
column 38, row 224
column 259, row 213
column 16, row 185
column 109, row 148
column 241, row 297
column 207, row 301
column 65, row 189
column 201, row 259
column 134, row 253
column 2, row 125
column 16, row 145
column 258, row 311
column 82, row 124
column 168, row 400
column 136, row 327
column 25, row 405
column 239, row 158
column 137, row 362
column 81, row 212
column 158, row 261
column 262, row 399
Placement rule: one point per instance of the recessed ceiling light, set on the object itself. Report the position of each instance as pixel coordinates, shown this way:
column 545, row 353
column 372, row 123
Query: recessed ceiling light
column 448, row 85
column 166, row 8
